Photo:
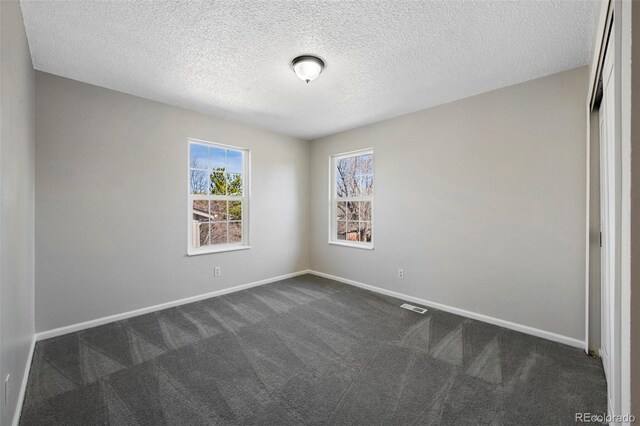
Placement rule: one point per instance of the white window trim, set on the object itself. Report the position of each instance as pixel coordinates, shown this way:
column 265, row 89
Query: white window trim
column 246, row 199
column 333, row 222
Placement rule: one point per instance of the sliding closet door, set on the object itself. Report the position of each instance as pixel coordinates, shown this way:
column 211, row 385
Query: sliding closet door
column 609, row 213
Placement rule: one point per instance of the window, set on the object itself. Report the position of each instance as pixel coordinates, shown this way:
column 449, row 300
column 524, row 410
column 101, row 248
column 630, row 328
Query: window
column 351, row 220
column 218, row 198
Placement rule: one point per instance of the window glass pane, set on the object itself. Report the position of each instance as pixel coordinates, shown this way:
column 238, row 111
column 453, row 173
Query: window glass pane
column 199, row 156
column 235, row 232
column 200, row 211
column 217, row 158
column 342, row 230
column 199, row 182
column 234, row 161
column 203, row 234
column 364, row 231
column 352, row 231
column 218, row 183
column 365, row 211
column 346, row 184
column 235, row 210
column 218, row 211
column 352, row 210
column 234, row 184
column 354, row 181
column 219, row 233
column 341, row 210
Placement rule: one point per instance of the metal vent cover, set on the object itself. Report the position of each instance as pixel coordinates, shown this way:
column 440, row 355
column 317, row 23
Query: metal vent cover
column 413, row 308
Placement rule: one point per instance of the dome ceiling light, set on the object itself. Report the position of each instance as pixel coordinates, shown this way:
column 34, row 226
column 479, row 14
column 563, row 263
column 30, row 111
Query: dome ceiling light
column 307, row 68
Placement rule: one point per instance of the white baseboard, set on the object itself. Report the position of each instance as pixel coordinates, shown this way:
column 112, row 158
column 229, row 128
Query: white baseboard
column 117, row 317
column 23, row 385
column 480, row 317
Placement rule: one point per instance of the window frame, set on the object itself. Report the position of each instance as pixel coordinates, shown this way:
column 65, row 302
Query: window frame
column 333, row 199
column 245, row 198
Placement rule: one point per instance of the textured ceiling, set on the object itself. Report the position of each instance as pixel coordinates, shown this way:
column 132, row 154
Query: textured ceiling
column 231, row 58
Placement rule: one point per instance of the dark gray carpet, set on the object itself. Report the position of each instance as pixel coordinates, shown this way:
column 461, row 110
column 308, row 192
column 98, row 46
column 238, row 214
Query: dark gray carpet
column 307, row 351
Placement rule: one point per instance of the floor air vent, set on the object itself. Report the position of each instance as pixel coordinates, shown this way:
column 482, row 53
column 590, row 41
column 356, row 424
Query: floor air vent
column 413, row 308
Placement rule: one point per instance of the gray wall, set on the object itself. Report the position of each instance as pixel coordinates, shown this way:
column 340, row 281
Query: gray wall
column 16, row 202
column 111, row 184
column 480, row 201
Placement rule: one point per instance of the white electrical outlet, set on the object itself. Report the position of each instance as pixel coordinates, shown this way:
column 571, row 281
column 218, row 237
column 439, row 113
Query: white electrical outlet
column 217, row 271
column 400, row 273
column 6, row 389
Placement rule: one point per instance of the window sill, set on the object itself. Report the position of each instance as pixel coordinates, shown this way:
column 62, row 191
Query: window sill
column 358, row 246
column 217, row 250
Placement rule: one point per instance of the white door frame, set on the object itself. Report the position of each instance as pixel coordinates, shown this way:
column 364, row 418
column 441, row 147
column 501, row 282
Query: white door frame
column 609, row 224
column 623, row 93
column 620, row 384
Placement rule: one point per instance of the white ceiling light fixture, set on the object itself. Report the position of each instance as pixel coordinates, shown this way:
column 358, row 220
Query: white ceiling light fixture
column 307, row 67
